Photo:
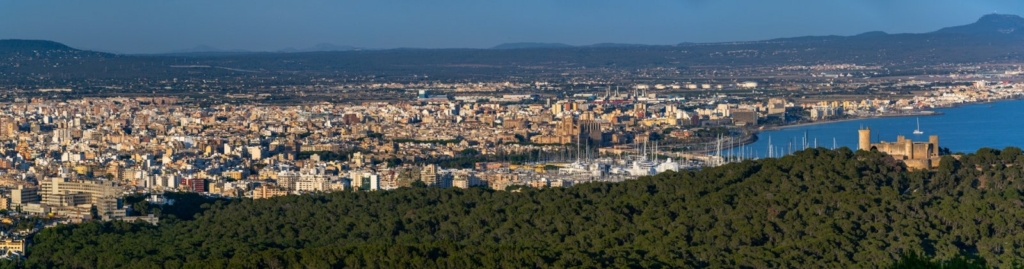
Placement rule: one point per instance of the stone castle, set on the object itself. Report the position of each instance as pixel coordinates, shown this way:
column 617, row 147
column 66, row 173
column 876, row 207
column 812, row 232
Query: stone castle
column 917, row 155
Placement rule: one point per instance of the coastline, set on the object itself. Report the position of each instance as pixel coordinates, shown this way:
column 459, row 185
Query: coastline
column 934, row 111
column 1016, row 98
column 776, row 128
column 755, row 132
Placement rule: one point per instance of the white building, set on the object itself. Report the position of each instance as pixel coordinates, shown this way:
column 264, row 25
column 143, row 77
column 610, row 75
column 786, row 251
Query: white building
column 255, row 153
column 313, row 179
column 364, row 180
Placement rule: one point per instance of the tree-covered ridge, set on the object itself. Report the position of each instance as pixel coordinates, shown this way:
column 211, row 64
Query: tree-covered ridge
column 817, row 208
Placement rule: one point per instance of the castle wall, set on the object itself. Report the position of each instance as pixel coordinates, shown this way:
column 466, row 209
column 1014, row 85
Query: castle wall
column 919, row 155
column 918, row 164
column 922, row 150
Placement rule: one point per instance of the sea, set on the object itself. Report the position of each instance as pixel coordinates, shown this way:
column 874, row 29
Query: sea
column 961, row 129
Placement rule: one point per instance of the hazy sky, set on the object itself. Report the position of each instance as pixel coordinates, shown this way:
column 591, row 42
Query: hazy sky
column 148, row 26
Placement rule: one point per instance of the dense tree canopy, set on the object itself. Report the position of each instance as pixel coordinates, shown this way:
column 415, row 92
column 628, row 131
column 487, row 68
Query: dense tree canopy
column 817, row 208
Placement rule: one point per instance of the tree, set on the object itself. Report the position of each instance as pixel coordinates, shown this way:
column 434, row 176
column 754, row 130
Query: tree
column 418, row 184
column 469, row 152
column 815, row 208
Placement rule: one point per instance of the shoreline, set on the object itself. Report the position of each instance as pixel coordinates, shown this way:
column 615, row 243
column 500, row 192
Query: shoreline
column 776, row 128
column 934, row 111
column 1017, row 98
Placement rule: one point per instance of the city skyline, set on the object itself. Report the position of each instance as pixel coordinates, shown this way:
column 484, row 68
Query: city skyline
column 526, row 134
column 158, row 26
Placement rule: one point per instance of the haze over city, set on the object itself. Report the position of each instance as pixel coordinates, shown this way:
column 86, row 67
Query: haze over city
column 123, row 26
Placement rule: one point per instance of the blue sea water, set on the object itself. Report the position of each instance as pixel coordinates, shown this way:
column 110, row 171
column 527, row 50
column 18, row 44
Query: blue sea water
column 961, row 129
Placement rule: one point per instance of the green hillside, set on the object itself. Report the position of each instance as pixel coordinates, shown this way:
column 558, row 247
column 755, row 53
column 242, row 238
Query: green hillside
column 816, row 209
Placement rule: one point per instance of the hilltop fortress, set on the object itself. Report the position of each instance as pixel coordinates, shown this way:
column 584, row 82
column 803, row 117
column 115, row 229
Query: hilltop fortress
column 917, row 155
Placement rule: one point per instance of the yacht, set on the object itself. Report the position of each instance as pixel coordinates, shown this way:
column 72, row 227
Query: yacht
column 918, row 130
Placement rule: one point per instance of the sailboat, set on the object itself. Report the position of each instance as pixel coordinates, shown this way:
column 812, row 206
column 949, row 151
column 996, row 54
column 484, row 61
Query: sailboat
column 918, row 130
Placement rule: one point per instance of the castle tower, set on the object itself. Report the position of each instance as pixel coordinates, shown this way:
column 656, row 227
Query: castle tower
column 865, row 139
column 934, row 141
column 908, row 148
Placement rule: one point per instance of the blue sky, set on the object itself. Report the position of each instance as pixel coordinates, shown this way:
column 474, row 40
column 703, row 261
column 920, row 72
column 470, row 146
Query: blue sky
column 149, row 26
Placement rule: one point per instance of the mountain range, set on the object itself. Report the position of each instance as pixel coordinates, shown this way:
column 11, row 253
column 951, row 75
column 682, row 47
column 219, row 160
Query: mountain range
column 993, row 38
column 989, row 26
column 211, row 51
column 992, row 25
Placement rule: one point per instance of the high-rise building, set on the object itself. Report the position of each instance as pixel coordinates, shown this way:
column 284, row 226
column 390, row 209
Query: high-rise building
column 286, row 179
column 743, row 116
column 365, row 181
column 8, row 127
column 194, row 184
column 24, row 195
column 255, row 153
column 429, row 174
column 77, row 197
column 777, row 107
column 313, row 179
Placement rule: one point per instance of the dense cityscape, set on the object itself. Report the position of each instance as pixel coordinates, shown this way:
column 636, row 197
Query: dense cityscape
column 76, row 160
column 566, row 151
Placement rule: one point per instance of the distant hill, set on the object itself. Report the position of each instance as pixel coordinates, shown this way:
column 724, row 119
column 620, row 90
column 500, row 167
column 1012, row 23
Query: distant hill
column 11, row 45
column 320, row 48
column 529, row 45
column 993, row 38
column 873, row 34
column 615, row 45
column 41, row 64
column 38, row 51
column 329, row 47
column 560, row 45
column 993, row 24
column 206, row 50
